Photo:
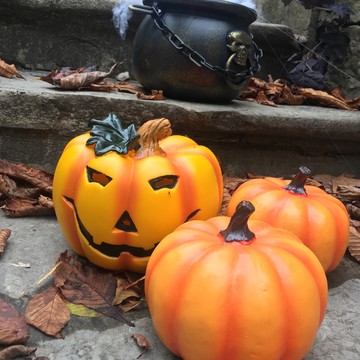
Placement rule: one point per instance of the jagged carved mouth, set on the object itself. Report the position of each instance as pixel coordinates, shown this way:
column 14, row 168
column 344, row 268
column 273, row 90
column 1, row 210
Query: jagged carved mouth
column 126, row 224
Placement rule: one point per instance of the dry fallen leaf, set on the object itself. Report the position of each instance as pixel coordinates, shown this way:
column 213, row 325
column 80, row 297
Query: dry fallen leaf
column 279, row 92
column 9, row 71
column 129, row 87
column 36, row 177
column 354, row 243
column 18, row 207
column 126, row 297
column 13, row 327
column 85, row 284
column 155, row 95
column 323, row 98
column 47, row 312
column 58, row 74
column 354, row 211
column 9, row 188
column 142, row 342
column 4, row 235
column 16, row 351
column 81, row 80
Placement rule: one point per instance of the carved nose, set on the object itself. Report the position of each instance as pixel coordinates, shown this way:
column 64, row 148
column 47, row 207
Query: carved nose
column 125, row 223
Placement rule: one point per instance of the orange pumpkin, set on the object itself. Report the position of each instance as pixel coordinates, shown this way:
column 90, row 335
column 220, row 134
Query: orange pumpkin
column 320, row 220
column 233, row 290
column 117, row 192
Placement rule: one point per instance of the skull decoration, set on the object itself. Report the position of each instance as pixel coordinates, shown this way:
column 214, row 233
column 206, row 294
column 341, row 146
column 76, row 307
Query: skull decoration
column 117, row 191
column 239, row 42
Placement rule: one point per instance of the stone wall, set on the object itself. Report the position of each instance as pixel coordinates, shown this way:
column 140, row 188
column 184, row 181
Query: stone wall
column 344, row 74
column 49, row 34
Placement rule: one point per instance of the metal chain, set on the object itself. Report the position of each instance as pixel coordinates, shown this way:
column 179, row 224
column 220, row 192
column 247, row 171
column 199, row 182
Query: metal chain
column 198, row 59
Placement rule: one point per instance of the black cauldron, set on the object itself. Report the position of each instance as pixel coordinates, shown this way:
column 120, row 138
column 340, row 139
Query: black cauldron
column 195, row 50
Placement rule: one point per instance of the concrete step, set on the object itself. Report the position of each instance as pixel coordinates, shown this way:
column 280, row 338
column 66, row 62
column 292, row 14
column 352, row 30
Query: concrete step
column 46, row 35
column 37, row 120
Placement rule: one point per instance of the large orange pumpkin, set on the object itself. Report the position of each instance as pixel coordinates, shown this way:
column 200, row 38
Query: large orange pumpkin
column 320, row 220
column 231, row 290
column 118, row 192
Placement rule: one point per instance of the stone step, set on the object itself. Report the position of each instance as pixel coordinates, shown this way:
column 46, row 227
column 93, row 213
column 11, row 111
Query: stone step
column 47, row 35
column 37, row 120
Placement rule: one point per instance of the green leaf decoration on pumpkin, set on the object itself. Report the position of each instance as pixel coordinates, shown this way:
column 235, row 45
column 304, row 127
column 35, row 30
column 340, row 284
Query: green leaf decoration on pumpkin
column 110, row 135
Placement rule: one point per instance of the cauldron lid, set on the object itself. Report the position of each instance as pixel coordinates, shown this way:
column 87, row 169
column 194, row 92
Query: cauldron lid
column 209, row 5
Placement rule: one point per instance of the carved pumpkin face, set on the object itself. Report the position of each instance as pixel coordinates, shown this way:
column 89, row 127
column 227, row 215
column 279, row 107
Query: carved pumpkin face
column 115, row 208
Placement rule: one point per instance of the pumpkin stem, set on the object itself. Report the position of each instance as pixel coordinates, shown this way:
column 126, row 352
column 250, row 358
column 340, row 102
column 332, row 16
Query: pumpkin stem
column 151, row 133
column 238, row 229
column 297, row 184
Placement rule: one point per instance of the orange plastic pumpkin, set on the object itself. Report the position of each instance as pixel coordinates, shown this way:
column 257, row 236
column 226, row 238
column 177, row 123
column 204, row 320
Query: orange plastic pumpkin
column 320, row 220
column 231, row 290
column 118, row 192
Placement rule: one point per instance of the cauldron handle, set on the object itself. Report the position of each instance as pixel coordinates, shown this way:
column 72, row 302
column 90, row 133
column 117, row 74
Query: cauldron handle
column 141, row 8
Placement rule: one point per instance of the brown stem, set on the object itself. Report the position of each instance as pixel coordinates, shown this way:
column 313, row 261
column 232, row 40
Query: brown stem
column 238, row 229
column 151, row 133
column 297, row 185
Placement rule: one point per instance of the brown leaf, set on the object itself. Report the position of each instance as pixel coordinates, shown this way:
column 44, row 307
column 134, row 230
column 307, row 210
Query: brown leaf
column 141, row 342
column 354, row 243
column 353, row 211
column 279, row 92
column 337, row 92
column 4, row 235
column 354, row 103
column 18, row 207
column 58, row 74
column 155, row 95
column 323, row 98
column 36, row 177
column 13, row 327
column 288, row 98
column 15, row 351
column 47, row 312
column 85, row 284
column 230, row 185
column 103, row 86
column 263, row 100
column 331, row 183
column 9, row 71
column 126, row 297
column 129, row 87
column 348, row 192
column 9, row 188
column 82, row 80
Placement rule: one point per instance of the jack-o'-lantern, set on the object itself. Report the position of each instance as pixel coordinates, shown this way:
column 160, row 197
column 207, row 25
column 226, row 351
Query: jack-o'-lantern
column 117, row 192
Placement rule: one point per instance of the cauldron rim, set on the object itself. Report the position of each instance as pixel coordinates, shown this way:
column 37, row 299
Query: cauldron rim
column 217, row 5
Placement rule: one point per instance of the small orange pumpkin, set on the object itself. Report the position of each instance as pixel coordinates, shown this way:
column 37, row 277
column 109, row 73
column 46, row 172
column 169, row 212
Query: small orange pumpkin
column 233, row 289
column 320, row 220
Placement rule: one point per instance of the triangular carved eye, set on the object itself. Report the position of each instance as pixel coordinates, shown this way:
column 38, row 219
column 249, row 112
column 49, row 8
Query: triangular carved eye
column 166, row 181
column 125, row 223
column 97, row 176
